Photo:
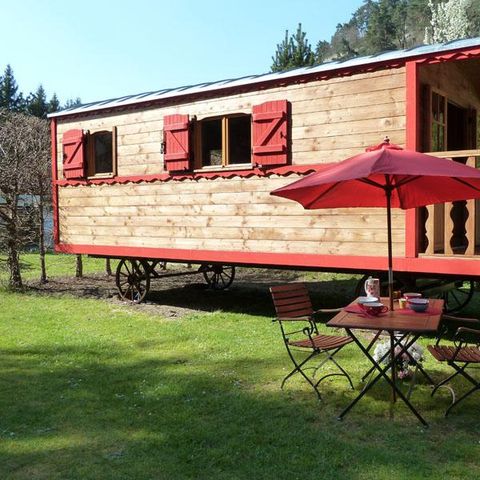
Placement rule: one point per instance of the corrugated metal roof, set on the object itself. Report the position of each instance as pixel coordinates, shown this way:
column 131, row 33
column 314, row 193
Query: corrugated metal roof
column 167, row 93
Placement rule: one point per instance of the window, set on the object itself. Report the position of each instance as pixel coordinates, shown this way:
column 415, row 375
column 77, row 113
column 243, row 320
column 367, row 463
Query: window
column 439, row 123
column 101, row 153
column 259, row 139
column 223, row 141
column 89, row 154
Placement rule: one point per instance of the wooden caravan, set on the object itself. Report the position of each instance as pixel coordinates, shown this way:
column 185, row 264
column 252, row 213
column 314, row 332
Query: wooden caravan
column 184, row 175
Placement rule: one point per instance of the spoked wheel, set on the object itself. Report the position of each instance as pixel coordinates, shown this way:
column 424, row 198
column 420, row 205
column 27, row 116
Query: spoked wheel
column 456, row 293
column 133, row 279
column 218, row 277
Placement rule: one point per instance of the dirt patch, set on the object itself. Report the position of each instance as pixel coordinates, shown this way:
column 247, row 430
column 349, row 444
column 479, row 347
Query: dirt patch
column 177, row 296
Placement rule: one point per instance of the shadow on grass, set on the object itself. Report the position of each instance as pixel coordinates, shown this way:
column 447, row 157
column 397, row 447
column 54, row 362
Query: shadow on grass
column 249, row 297
column 112, row 417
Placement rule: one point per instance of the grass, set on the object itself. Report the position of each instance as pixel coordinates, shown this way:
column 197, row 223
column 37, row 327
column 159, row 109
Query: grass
column 97, row 390
column 57, row 265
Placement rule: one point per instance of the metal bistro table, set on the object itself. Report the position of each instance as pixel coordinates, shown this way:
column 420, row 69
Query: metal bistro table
column 404, row 327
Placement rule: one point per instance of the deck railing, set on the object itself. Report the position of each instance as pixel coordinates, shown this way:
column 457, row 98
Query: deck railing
column 453, row 228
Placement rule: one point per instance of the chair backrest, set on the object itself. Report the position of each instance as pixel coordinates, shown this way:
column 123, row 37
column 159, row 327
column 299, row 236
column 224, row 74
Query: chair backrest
column 291, row 301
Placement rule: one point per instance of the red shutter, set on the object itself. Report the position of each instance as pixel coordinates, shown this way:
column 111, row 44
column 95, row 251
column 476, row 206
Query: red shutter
column 177, row 142
column 73, row 142
column 270, row 133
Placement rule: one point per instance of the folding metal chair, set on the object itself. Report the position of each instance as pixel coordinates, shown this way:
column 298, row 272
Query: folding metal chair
column 293, row 305
column 464, row 352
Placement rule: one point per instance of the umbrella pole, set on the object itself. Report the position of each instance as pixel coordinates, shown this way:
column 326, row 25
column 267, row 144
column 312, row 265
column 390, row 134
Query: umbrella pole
column 388, row 192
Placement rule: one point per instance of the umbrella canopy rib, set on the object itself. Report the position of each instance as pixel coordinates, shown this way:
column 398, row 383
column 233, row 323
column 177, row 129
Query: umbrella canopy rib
column 331, row 187
column 464, row 182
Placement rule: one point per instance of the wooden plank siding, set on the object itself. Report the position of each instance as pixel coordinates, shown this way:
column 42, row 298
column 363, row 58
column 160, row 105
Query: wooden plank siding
column 221, row 214
column 330, row 120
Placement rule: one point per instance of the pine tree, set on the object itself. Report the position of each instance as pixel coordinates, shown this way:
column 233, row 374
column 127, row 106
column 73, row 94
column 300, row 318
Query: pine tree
column 302, row 54
column 72, row 102
column 283, row 55
column 54, row 104
column 293, row 52
column 10, row 98
column 37, row 103
column 382, row 31
column 323, row 51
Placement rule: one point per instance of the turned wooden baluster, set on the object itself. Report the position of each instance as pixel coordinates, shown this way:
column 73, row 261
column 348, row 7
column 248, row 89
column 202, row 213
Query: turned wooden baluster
column 470, row 222
column 434, row 230
column 448, row 228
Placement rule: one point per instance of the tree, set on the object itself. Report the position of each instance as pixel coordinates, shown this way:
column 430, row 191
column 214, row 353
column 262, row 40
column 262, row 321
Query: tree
column 39, row 181
column 449, row 21
column 72, row 102
column 383, row 31
column 473, row 13
column 10, row 98
column 54, row 104
column 323, row 52
column 293, row 52
column 37, row 103
column 18, row 152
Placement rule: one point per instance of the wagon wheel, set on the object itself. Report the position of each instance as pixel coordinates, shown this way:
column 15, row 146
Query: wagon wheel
column 218, row 277
column 132, row 279
column 456, row 293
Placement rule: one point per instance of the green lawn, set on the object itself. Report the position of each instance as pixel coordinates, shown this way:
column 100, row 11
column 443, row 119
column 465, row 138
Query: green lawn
column 97, row 390
column 57, row 265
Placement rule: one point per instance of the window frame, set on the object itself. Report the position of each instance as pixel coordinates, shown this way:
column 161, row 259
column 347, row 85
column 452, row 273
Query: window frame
column 90, row 153
column 225, row 136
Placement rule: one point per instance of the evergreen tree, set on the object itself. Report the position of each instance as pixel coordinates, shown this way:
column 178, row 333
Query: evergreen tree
column 293, row 52
column 323, row 52
column 54, row 104
column 283, row 55
column 382, row 30
column 302, row 54
column 37, row 103
column 473, row 13
column 72, row 102
column 349, row 39
column 10, row 98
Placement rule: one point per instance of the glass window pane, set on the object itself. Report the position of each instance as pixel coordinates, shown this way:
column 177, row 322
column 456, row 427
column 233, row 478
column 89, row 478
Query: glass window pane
column 103, row 152
column 212, row 142
column 239, row 137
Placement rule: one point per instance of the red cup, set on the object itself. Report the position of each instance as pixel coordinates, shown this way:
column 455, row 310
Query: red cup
column 375, row 308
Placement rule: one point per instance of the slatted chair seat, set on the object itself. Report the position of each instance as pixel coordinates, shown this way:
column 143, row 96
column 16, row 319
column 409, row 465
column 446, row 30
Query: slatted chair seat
column 294, row 310
column 464, row 355
column 462, row 352
column 322, row 342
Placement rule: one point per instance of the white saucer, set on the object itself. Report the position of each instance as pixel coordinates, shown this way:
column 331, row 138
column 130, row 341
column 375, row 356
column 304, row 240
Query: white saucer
column 367, row 299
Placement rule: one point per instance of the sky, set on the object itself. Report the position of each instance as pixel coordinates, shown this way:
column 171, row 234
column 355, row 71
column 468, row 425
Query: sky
column 104, row 49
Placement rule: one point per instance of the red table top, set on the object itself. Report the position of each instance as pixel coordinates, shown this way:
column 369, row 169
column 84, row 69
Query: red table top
column 392, row 321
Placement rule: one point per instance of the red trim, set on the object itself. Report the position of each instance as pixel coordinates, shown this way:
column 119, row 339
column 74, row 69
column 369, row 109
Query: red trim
column 435, row 57
column 458, row 54
column 465, row 267
column 283, row 171
column 56, row 225
column 413, row 125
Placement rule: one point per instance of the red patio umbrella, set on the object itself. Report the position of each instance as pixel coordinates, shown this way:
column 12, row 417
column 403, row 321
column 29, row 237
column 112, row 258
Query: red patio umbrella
column 385, row 176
